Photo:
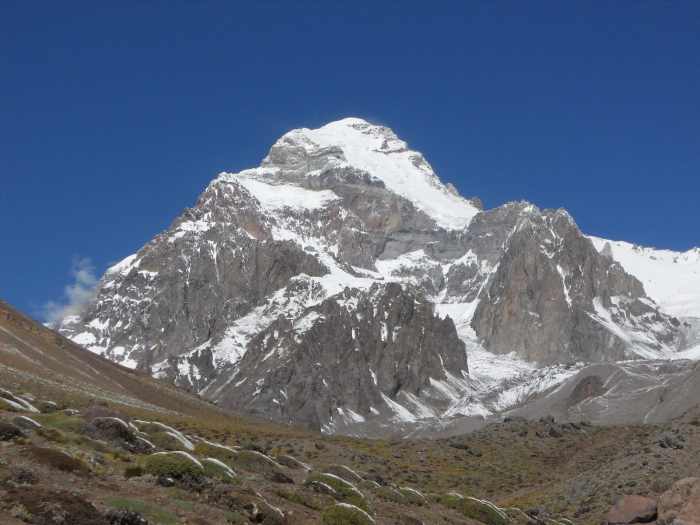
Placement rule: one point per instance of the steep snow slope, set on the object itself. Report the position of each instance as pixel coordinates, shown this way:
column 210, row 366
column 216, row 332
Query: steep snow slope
column 379, row 152
column 671, row 278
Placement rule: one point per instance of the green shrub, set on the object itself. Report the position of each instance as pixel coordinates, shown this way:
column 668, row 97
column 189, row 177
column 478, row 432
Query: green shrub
column 413, row 496
column 52, row 434
column 255, row 461
column 301, row 498
column 173, row 464
column 368, row 484
column 390, row 494
column 166, row 441
column 345, row 514
column 133, row 471
column 8, row 406
column 61, row 421
column 343, row 472
column 214, row 450
column 153, row 513
column 172, row 439
column 451, row 500
column 216, row 469
column 483, row 511
column 56, row 459
column 345, row 490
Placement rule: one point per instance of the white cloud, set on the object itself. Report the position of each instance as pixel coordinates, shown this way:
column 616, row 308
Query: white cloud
column 76, row 295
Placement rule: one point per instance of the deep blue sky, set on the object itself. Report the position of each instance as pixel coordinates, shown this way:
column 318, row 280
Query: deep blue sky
column 113, row 119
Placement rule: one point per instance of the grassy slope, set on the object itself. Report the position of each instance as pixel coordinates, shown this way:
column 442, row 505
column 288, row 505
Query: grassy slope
column 577, row 474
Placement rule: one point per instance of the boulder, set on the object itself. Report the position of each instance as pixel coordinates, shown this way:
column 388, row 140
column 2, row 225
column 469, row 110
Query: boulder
column 632, row 509
column 110, row 429
column 118, row 431
column 47, row 407
column 681, row 503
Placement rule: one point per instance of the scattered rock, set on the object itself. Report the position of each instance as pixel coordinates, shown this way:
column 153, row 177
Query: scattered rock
column 554, row 431
column 110, row 429
column 23, row 476
column 116, row 430
column 671, row 441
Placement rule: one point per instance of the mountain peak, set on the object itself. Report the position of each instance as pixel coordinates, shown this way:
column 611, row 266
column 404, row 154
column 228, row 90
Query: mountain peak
column 378, row 151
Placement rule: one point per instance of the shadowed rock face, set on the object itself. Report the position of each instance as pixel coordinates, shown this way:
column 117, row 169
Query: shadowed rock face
column 554, row 294
column 337, row 362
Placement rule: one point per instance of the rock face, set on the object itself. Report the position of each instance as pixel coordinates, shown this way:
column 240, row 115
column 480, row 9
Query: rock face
column 681, row 503
column 341, row 280
column 347, row 359
column 632, row 509
column 552, row 293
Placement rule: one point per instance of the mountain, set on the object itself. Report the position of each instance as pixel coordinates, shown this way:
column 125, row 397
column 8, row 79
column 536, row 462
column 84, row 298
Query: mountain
column 342, row 285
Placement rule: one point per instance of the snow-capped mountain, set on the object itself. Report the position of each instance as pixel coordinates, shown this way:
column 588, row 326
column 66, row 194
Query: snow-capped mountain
column 341, row 283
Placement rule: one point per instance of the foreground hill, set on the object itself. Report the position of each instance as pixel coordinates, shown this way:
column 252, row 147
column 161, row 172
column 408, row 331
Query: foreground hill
column 98, row 458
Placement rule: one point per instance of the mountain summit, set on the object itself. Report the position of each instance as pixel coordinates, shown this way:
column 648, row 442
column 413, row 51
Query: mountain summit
column 374, row 150
column 342, row 285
